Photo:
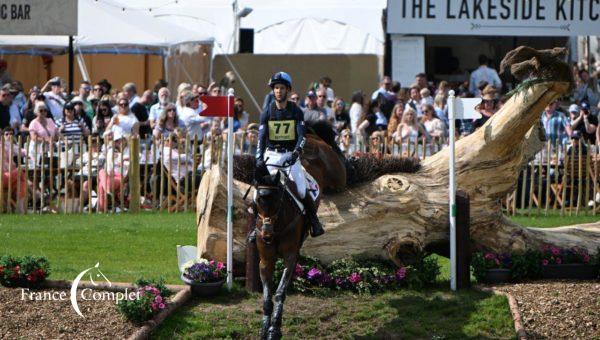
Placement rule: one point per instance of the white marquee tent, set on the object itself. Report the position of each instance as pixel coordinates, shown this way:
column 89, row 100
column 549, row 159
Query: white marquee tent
column 106, row 28
column 280, row 27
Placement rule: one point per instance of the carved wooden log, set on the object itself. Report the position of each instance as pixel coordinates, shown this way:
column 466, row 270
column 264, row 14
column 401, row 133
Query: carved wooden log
column 399, row 215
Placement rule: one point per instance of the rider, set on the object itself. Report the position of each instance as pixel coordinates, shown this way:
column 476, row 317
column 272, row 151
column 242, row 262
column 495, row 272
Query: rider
column 281, row 140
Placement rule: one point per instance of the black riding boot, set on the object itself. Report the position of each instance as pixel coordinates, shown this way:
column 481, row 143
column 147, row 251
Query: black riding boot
column 311, row 213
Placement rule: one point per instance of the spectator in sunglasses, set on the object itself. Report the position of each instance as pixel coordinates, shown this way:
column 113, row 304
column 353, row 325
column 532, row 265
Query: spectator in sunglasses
column 488, row 105
column 124, row 122
column 102, row 117
column 42, row 129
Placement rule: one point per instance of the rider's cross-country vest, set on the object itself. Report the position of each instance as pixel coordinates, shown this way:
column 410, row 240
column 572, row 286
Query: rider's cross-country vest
column 282, row 127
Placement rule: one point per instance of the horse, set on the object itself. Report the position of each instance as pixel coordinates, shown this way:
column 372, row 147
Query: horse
column 281, row 223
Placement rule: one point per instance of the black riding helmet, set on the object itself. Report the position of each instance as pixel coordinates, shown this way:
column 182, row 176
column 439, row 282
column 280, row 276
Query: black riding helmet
column 280, row 78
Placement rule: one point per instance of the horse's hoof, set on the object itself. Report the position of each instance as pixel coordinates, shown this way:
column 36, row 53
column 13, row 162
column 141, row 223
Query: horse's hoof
column 274, row 334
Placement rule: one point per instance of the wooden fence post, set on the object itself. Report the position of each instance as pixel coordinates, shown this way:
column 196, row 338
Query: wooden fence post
column 134, row 175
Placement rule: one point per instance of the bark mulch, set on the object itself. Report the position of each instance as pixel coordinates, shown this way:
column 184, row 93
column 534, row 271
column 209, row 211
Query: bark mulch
column 24, row 318
column 558, row 309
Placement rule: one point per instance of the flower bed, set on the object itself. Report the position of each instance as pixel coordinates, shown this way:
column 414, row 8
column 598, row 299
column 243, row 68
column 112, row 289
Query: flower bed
column 363, row 276
column 549, row 262
column 26, row 271
column 151, row 301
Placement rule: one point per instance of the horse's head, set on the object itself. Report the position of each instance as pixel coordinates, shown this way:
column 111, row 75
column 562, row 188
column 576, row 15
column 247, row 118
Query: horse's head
column 269, row 194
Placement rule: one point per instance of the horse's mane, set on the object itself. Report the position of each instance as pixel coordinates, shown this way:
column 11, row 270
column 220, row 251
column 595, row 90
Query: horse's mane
column 324, row 130
column 359, row 169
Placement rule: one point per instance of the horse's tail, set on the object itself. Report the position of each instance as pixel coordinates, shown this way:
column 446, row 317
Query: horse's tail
column 367, row 167
column 324, row 130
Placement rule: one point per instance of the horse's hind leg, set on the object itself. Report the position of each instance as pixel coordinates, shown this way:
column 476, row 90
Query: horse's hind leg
column 266, row 276
column 275, row 330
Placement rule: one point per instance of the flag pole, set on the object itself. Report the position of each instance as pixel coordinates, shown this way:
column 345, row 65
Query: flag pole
column 452, row 191
column 230, row 93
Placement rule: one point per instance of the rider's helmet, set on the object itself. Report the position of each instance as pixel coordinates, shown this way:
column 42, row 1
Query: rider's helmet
column 281, row 78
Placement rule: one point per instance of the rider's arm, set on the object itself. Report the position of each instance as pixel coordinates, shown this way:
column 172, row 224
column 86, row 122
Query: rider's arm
column 262, row 134
column 300, row 130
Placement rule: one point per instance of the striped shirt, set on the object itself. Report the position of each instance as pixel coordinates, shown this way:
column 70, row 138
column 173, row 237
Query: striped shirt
column 556, row 127
column 73, row 129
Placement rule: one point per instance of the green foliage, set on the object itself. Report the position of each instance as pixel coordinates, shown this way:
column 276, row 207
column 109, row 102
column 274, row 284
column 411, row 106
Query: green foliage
column 27, row 271
column 526, row 265
column 426, row 269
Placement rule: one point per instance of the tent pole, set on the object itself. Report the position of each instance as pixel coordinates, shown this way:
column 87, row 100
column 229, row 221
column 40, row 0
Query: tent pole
column 71, row 69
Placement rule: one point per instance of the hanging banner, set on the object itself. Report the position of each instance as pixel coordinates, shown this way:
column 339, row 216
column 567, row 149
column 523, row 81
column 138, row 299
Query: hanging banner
column 38, row 17
column 494, row 17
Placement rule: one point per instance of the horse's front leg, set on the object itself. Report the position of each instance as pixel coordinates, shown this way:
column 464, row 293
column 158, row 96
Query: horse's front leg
column 290, row 264
column 266, row 276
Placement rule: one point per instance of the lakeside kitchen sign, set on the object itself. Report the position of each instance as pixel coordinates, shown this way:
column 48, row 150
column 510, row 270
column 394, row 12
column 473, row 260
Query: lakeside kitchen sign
column 495, row 17
column 38, row 17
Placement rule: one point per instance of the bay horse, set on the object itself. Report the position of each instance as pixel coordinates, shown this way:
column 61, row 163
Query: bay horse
column 281, row 223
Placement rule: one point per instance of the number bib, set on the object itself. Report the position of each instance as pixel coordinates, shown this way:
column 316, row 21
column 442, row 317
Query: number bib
column 282, row 130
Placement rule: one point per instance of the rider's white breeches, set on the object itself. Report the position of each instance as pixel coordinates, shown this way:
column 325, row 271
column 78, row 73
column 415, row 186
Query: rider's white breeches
column 294, row 172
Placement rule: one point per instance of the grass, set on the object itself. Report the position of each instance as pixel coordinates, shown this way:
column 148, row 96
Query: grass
column 432, row 314
column 553, row 219
column 127, row 246
column 131, row 246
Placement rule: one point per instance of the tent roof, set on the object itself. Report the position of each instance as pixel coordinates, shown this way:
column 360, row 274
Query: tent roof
column 312, row 23
column 104, row 27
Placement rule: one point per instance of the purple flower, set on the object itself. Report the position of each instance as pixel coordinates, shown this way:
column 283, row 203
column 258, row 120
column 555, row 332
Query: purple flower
column 326, row 280
column 586, row 258
column 154, row 306
column 313, row 273
column 490, row 256
column 401, row 273
column 544, row 262
column 555, row 251
column 558, row 260
column 354, row 278
column 161, row 306
column 158, row 299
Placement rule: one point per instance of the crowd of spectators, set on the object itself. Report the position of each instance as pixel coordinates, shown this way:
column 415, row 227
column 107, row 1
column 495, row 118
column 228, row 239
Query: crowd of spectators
column 393, row 114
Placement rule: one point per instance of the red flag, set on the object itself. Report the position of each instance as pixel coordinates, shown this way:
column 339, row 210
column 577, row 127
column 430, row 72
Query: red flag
column 216, row 106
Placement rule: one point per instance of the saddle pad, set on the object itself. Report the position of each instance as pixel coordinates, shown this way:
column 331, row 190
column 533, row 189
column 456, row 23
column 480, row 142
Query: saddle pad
column 313, row 186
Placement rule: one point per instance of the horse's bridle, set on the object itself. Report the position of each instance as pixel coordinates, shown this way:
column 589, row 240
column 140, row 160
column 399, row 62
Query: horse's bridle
column 267, row 222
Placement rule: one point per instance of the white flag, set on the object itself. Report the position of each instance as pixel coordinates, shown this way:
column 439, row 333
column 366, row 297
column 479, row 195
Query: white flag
column 465, row 108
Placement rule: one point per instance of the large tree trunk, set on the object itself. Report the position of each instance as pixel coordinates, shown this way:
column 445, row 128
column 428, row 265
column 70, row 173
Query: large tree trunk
column 399, row 215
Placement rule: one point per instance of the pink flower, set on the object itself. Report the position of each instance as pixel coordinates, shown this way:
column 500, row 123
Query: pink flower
column 555, row 251
column 558, row 260
column 544, row 262
column 154, row 306
column 158, row 299
column 354, row 278
column 497, row 262
column 220, row 265
column 161, row 306
column 211, row 262
column 490, row 256
column 586, row 258
column 401, row 273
